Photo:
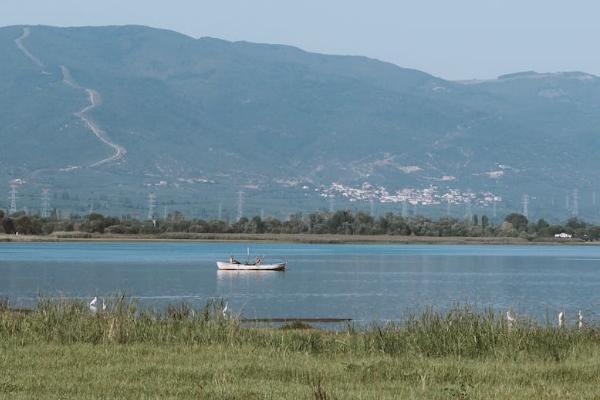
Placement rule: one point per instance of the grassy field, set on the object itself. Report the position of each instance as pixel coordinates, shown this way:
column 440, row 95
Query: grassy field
column 81, row 371
column 64, row 351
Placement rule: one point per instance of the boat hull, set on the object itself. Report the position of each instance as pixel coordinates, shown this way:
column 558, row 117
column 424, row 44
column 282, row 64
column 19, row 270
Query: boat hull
column 225, row 266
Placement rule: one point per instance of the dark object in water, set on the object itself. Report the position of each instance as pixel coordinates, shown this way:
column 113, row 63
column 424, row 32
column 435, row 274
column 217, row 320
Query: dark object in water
column 18, row 311
column 296, row 325
column 293, row 320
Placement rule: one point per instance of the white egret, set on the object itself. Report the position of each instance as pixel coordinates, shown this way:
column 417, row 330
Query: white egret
column 579, row 320
column 561, row 319
column 103, row 305
column 225, row 309
column 510, row 319
column 93, row 307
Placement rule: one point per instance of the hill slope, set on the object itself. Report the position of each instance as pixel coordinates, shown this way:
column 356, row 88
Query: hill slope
column 123, row 111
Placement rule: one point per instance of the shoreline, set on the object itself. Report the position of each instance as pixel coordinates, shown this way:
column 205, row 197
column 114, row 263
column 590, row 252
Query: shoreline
column 285, row 238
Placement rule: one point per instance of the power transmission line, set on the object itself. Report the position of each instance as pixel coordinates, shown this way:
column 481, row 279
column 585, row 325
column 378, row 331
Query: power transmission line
column 13, row 198
column 151, row 205
column 240, row 205
column 45, row 202
column 468, row 209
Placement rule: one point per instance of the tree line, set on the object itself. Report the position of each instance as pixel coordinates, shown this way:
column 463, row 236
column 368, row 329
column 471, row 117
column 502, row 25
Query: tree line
column 339, row 222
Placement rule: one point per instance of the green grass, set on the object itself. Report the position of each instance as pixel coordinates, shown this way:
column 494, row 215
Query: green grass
column 64, row 351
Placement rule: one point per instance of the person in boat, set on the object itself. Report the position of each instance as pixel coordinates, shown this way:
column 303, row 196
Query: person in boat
column 232, row 260
column 258, row 261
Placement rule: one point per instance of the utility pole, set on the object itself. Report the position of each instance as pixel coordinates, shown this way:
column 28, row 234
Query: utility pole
column 468, row 209
column 45, row 202
column 151, row 205
column 575, row 211
column 13, row 198
column 526, row 205
column 240, row 205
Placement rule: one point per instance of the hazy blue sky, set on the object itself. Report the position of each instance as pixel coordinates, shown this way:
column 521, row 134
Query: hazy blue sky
column 455, row 39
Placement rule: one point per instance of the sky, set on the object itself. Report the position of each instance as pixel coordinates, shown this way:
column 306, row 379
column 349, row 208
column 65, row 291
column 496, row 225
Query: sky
column 452, row 39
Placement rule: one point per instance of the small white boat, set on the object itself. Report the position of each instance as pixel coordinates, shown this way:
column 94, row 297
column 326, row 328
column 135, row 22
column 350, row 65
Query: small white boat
column 258, row 265
column 241, row 266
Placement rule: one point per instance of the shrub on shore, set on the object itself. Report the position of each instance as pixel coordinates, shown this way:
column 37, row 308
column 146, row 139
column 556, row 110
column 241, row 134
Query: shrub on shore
column 340, row 222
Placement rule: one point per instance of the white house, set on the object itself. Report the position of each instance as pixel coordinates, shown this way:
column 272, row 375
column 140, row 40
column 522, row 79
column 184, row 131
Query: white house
column 563, row 235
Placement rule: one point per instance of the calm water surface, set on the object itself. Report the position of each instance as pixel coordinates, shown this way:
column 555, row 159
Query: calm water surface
column 363, row 282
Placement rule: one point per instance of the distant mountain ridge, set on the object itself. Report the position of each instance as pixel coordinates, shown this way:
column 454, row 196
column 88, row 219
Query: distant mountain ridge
column 205, row 118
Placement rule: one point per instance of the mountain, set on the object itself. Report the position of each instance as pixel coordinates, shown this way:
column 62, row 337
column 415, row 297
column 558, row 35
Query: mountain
column 103, row 116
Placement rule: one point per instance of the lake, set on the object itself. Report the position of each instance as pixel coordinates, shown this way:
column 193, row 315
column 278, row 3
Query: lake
column 363, row 282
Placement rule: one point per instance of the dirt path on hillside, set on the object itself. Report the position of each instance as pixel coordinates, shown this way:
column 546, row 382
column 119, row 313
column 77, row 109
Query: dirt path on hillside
column 24, row 50
column 94, row 101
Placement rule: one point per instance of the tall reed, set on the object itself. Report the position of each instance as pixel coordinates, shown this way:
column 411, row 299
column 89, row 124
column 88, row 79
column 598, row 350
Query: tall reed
column 461, row 331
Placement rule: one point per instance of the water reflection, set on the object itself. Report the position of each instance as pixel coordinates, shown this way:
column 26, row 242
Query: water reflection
column 228, row 275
